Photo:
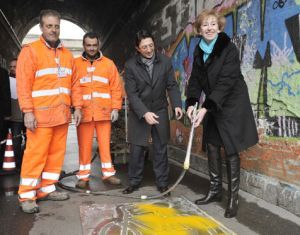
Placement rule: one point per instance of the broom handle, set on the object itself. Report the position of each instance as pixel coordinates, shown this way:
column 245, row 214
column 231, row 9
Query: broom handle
column 186, row 164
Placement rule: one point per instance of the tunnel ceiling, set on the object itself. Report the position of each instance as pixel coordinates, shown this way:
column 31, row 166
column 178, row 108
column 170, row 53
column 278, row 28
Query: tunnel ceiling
column 102, row 16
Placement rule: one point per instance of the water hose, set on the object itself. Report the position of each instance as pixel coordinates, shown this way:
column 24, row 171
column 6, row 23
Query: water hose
column 186, row 166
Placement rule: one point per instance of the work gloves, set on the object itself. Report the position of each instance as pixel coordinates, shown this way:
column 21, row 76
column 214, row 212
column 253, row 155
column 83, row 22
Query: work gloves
column 114, row 115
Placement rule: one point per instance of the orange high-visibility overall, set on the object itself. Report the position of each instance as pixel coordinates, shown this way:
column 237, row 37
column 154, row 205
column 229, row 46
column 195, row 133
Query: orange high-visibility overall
column 47, row 85
column 101, row 93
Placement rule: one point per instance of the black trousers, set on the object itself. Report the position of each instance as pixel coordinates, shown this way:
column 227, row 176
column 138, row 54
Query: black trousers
column 160, row 162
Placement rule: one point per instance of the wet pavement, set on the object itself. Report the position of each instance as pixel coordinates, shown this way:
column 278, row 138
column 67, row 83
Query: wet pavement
column 255, row 216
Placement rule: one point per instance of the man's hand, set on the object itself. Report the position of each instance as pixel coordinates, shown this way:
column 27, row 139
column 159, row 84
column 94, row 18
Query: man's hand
column 114, row 115
column 151, row 118
column 178, row 113
column 77, row 116
column 30, row 121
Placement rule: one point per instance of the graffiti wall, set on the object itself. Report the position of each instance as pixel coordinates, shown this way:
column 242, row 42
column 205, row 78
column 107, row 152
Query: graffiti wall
column 267, row 35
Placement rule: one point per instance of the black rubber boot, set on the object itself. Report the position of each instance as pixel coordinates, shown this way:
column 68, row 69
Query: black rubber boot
column 215, row 173
column 233, row 174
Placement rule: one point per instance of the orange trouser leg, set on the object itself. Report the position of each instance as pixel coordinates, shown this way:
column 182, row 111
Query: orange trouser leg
column 103, row 129
column 85, row 133
column 34, row 160
column 54, row 162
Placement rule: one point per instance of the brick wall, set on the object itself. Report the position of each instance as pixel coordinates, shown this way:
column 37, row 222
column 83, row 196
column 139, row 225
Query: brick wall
column 275, row 158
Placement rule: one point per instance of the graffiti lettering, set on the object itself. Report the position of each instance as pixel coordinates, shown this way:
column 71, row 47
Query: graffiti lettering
column 176, row 14
column 279, row 3
column 262, row 98
column 240, row 42
column 285, row 126
column 283, row 84
column 292, row 25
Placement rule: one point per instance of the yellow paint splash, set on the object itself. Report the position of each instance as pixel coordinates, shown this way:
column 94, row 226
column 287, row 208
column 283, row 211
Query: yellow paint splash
column 160, row 220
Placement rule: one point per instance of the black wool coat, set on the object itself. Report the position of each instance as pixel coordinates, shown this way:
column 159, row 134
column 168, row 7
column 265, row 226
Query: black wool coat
column 147, row 94
column 229, row 115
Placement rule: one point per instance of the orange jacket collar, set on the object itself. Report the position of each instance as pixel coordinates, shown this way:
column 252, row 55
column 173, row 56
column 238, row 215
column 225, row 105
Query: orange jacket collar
column 47, row 44
column 83, row 56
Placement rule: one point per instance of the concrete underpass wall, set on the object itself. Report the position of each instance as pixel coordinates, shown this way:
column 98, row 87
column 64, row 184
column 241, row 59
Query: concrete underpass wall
column 267, row 34
column 10, row 46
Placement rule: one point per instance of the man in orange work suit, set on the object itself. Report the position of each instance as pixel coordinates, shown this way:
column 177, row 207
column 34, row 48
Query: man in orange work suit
column 102, row 98
column 47, row 86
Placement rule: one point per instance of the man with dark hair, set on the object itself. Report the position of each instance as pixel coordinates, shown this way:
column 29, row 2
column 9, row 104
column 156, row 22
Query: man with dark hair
column 47, row 86
column 148, row 76
column 16, row 119
column 5, row 110
column 102, row 98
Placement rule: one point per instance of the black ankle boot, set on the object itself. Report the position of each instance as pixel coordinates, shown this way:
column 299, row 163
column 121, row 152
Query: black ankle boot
column 233, row 174
column 232, row 206
column 215, row 173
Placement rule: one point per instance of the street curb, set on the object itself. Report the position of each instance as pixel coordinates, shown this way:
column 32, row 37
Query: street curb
column 282, row 194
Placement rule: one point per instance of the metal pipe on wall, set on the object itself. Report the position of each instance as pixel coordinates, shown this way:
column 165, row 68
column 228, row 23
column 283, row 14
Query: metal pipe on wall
column 11, row 30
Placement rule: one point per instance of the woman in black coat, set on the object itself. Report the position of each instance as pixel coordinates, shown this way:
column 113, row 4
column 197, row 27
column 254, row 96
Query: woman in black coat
column 227, row 116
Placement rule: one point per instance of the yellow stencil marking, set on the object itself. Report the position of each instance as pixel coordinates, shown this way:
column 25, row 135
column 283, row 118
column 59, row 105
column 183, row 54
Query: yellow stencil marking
column 160, row 220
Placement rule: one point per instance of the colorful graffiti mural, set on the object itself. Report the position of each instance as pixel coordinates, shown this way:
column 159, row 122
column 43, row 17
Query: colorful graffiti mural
column 267, row 34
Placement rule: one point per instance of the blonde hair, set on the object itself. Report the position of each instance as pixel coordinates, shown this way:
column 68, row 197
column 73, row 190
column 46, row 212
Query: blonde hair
column 206, row 13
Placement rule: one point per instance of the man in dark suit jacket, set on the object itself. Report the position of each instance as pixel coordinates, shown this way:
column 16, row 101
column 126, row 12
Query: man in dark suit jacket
column 4, row 110
column 148, row 76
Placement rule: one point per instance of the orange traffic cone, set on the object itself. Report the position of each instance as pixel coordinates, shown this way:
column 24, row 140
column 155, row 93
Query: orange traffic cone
column 9, row 162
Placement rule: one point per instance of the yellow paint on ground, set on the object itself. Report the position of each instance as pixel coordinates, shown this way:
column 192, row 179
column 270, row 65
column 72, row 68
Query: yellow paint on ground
column 161, row 220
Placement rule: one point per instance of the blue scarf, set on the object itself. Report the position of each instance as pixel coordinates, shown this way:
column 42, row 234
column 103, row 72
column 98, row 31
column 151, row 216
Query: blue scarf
column 207, row 48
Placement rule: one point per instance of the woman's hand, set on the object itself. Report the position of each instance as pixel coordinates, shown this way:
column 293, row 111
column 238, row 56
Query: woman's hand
column 190, row 112
column 199, row 116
